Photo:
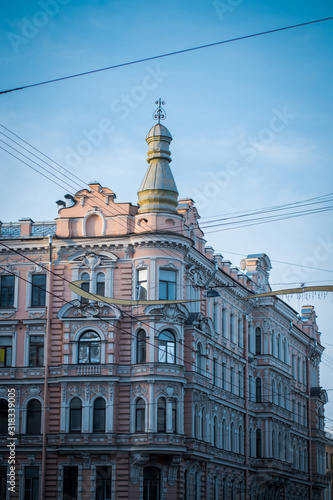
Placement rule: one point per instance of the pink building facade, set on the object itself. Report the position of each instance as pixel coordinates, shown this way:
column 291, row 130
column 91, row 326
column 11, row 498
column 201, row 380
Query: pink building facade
column 214, row 399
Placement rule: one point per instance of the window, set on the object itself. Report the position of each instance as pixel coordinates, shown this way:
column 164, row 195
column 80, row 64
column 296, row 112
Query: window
column 141, row 284
column 151, row 483
column 215, row 378
column 199, row 358
column 258, row 340
column 34, row 417
column 240, row 383
column 258, row 443
column 232, row 379
column 196, row 423
column 3, row 417
column 31, row 483
column 258, row 390
column 224, row 375
column 7, row 287
column 240, row 332
column 103, row 483
column 141, row 347
column 70, row 483
column 231, row 328
column 167, row 284
column 203, row 425
column 215, row 433
column 36, row 350
column 174, row 415
column 38, row 290
column 140, row 415
column 75, row 415
column 166, row 347
column 99, row 415
column 5, row 351
column 100, row 284
column 293, row 365
column 224, row 330
column 90, row 348
column 240, row 440
column 224, row 435
column 161, row 415
column 216, row 316
column 232, row 437
column 278, row 346
column 250, row 388
column 85, row 287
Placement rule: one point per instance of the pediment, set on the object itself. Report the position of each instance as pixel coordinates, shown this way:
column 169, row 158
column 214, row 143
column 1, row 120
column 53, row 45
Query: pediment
column 168, row 312
column 75, row 310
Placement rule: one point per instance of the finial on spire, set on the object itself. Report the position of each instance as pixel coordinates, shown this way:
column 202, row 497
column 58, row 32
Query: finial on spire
column 159, row 113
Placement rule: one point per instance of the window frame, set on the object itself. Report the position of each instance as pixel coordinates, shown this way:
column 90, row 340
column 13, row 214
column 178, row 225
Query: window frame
column 72, row 415
column 33, row 413
column 161, row 420
column 39, row 347
column 8, row 351
column 90, row 343
column 40, row 291
column 10, row 305
column 168, row 343
column 99, row 413
column 140, row 415
column 103, row 480
column 170, row 287
column 141, row 291
column 141, row 347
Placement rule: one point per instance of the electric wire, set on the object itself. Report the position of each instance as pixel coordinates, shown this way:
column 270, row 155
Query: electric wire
column 247, row 379
column 168, row 54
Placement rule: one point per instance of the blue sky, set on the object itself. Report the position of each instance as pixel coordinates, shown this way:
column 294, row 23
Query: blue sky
column 251, row 120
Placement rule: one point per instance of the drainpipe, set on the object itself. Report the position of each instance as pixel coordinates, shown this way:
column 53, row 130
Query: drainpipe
column 246, row 405
column 309, row 422
column 46, row 368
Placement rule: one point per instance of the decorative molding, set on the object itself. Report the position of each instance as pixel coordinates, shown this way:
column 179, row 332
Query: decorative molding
column 138, row 461
column 169, row 313
column 173, row 470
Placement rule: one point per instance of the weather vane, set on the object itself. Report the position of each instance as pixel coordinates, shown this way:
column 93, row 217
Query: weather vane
column 159, row 113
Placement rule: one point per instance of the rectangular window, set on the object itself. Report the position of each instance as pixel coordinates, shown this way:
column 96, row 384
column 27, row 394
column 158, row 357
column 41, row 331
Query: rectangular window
column 7, row 287
column 167, row 285
column 38, row 290
column 224, row 375
column 215, row 378
column 70, row 483
column 232, row 379
column 240, row 383
column 103, row 483
column 36, row 350
column 31, row 483
column 231, row 328
column 240, row 333
column 224, row 330
column 5, row 351
column 141, row 284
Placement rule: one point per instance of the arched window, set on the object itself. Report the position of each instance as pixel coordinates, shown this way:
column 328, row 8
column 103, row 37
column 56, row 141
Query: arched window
column 231, row 327
column 273, row 343
column 273, row 444
column 89, row 348
column 85, row 287
column 240, row 332
column 100, row 284
column 284, row 347
column 99, row 415
column 258, row 390
column 240, row 440
column 273, row 392
column 215, row 432
column 279, row 395
column 278, row 347
column 151, row 483
column 203, row 425
column 258, row 340
column 34, row 417
column 174, row 415
column 224, row 435
column 141, row 347
column 199, row 358
column 166, row 347
column 196, row 423
column 286, row 400
column 3, row 416
column 250, row 443
column 280, row 447
column 232, row 437
column 140, row 415
column 258, row 443
column 75, row 415
column 161, row 415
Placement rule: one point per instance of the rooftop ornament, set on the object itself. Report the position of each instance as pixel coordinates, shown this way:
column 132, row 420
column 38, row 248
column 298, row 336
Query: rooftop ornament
column 159, row 113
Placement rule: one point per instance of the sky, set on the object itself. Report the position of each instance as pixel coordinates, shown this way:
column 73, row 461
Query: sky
column 251, row 120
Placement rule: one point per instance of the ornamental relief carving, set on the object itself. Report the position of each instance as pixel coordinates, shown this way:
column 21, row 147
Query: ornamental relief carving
column 169, row 390
column 140, row 390
column 32, row 390
column 99, row 390
column 170, row 313
column 74, row 390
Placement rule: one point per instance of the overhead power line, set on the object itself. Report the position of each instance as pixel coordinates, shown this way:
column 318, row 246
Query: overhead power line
column 168, row 54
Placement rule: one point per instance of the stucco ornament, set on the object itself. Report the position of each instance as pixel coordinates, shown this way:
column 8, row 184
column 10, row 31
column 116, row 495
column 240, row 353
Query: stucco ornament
column 173, row 469
column 138, row 461
column 91, row 260
column 169, row 313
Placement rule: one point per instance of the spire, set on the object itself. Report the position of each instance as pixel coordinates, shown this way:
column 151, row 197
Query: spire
column 158, row 191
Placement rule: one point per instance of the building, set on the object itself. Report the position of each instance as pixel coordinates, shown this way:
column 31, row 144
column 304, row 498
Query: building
column 214, row 399
column 329, row 465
